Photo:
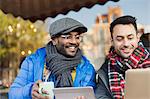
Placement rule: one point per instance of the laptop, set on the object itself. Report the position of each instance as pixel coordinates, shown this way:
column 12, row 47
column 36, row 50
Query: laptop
column 72, row 92
column 137, row 84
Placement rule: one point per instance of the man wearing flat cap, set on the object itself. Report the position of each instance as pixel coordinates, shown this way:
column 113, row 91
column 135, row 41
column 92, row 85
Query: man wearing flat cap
column 60, row 61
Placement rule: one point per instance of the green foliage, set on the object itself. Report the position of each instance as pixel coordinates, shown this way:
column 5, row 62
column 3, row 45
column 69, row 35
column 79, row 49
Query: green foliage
column 17, row 35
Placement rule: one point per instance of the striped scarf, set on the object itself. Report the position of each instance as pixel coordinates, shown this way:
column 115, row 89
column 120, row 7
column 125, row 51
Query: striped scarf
column 117, row 67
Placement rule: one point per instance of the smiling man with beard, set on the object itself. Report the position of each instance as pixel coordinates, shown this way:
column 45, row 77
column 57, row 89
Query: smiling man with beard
column 60, row 61
column 127, row 52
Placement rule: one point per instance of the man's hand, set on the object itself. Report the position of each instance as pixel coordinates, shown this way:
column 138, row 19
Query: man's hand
column 35, row 91
column 80, row 97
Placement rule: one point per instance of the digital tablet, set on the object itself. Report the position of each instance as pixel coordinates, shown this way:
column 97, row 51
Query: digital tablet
column 72, row 92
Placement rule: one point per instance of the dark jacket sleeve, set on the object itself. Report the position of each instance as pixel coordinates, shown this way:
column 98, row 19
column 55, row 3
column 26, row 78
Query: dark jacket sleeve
column 102, row 87
column 101, row 91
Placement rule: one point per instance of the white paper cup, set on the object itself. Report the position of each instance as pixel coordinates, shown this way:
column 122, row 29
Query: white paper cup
column 47, row 86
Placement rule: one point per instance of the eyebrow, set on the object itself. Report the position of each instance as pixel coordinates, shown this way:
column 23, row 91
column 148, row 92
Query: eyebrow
column 123, row 36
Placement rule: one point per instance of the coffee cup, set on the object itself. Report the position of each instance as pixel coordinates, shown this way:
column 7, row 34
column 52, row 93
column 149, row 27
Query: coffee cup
column 48, row 87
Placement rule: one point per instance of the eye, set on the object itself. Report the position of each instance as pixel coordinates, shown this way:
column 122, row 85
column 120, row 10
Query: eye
column 65, row 36
column 78, row 37
column 119, row 38
column 130, row 37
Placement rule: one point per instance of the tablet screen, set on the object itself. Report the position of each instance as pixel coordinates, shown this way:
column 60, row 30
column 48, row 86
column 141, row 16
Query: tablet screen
column 72, row 92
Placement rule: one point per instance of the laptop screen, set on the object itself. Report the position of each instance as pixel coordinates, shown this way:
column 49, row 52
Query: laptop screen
column 137, row 84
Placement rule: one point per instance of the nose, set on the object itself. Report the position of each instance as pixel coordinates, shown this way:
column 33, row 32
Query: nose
column 126, row 43
column 73, row 40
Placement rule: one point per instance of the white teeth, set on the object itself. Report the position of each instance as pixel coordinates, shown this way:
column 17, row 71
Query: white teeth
column 72, row 47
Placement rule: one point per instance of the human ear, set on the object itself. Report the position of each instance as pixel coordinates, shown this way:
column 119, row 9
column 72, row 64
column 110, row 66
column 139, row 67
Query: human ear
column 54, row 41
column 139, row 36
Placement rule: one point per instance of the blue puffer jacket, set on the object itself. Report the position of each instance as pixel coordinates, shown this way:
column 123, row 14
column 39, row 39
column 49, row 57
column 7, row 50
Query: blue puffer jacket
column 32, row 70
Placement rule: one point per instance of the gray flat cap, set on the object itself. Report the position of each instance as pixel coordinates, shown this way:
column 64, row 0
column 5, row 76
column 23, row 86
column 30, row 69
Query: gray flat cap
column 66, row 25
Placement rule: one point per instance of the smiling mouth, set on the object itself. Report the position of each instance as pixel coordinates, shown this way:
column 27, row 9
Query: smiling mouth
column 126, row 51
column 72, row 48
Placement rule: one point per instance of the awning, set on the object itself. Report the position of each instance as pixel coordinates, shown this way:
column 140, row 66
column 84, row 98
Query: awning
column 41, row 9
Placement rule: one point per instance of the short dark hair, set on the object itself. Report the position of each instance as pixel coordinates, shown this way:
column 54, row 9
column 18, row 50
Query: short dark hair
column 123, row 20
